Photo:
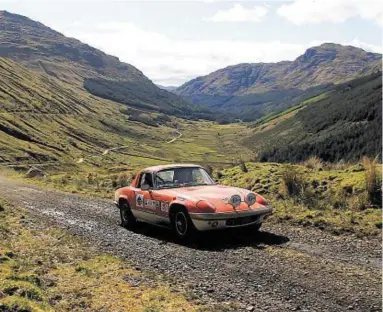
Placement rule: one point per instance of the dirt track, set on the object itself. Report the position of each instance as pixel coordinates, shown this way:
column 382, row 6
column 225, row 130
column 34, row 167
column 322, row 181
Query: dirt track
column 283, row 268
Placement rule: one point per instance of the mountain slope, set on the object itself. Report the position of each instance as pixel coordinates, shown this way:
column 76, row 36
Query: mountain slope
column 345, row 123
column 47, row 121
column 42, row 49
column 328, row 63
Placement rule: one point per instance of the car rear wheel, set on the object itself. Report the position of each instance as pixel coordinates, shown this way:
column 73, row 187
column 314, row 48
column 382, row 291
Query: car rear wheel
column 182, row 225
column 128, row 220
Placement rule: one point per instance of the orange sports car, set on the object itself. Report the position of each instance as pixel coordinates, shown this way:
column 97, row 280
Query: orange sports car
column 186, row 199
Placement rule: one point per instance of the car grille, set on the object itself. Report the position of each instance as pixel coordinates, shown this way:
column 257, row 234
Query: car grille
column 241, row 220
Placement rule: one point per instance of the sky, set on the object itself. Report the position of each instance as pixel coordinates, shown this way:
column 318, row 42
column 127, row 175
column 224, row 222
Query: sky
column 175, row 41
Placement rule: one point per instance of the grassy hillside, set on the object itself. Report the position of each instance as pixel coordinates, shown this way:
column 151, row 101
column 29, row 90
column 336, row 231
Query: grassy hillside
column 339, row 199
column 44, row 50
column 344, row 124
column 46, row 120
column 144, row 97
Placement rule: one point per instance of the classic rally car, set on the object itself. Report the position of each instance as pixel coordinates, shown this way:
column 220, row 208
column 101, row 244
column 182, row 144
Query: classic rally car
column 186, row 199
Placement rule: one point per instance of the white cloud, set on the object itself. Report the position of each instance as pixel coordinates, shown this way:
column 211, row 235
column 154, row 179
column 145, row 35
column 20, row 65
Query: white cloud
column 238, row 13
column 302, row 12
column 365, row 46
column 172, row 62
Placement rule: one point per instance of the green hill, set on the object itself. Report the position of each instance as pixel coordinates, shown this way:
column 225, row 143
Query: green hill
column 45, row 120
column 345, row 123
column 42, row 49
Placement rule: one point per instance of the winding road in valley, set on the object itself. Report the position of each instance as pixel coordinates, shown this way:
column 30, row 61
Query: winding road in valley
column 106, row 152
column 283, row 268
column 175, row 138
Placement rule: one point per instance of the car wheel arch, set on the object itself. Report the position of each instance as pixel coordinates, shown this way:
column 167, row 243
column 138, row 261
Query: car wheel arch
column 175, row 207
column 122, row 200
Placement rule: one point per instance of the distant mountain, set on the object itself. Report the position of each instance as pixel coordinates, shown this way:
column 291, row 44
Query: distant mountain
column 345, row 123
column 42, row 49
column 328, row 63
column 251, row 91
column 167, row 88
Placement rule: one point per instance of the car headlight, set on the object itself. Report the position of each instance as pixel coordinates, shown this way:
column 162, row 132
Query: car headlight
column 235, row 200
column 250, row 199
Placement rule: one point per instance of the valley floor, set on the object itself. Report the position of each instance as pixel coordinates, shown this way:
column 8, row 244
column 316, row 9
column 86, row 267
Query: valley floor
column 283, row 268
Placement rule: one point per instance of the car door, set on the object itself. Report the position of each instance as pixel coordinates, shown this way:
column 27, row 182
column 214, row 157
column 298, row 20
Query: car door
column 142, row 196
column 147, row 202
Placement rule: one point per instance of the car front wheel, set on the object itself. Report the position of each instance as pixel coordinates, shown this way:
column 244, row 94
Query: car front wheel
column 257, row 227
column 182, row 225
column 128, row 220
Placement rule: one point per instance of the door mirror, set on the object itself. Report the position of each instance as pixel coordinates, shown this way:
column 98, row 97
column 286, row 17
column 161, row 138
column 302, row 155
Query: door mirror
column 145, row 187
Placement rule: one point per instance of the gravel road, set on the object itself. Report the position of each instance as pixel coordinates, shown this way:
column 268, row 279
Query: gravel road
column 283, row 268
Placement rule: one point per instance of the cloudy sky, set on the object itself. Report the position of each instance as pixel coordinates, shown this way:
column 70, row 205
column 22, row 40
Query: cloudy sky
column 174, row 41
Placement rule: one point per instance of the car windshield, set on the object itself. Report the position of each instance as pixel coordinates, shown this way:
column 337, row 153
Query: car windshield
column 180, row 177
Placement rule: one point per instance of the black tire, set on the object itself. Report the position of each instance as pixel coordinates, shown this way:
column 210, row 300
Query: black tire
column 256, row 227
column 182, row 225
column 250, row 230
column 128, row 220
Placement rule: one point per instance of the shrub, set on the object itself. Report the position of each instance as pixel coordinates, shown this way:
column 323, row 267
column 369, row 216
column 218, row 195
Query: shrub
column 114, row 183
column 337, row 198
column 90, row 178
column 209, row 169
column 124, row 179
column 64, row 180
column 313, row 162
column 293, row 183
column 79, row 183
column 219, row 175
column 373, row 181
column 243, row 167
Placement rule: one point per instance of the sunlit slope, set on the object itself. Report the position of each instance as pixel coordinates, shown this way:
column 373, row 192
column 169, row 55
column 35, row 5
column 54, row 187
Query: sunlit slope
column 47, row 51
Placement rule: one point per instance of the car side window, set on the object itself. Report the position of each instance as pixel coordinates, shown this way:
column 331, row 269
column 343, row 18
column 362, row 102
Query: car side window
column 146, row 178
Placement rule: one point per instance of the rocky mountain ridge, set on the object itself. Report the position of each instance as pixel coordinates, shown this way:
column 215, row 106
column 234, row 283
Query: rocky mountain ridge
column 327, row 63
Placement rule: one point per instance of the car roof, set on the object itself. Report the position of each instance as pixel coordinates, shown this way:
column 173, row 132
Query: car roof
column 170, row 166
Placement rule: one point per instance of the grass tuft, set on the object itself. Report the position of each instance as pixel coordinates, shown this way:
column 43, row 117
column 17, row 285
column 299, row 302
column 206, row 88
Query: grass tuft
column 373, row 181
column 313, row 162
column 293, row 182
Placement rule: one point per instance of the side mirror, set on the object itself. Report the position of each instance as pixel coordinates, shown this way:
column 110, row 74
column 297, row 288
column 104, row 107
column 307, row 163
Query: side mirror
column 145, row 187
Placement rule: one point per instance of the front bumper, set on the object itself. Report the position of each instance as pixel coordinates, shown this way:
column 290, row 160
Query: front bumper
column 223, row 220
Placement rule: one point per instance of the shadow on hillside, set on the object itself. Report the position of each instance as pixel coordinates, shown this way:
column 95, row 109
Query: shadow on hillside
column 218, row 240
